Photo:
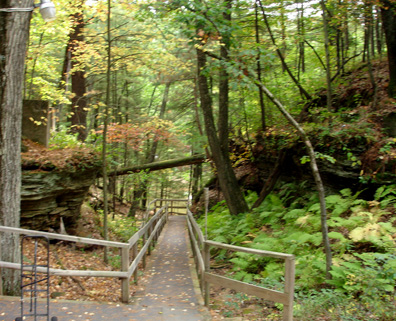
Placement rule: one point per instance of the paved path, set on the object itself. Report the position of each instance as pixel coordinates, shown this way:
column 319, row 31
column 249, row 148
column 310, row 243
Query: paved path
column 168, row 292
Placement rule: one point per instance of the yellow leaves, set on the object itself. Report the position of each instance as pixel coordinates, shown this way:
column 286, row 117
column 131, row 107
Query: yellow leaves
column 42, row 121
column 303, row 220
column 366, row 232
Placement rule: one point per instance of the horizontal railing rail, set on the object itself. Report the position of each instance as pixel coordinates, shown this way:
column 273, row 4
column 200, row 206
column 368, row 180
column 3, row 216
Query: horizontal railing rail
column 149, row 234
column 175, row 206
column 201, row 252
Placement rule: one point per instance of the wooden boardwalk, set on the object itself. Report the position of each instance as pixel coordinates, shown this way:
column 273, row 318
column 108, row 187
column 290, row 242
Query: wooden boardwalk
column 167, row 291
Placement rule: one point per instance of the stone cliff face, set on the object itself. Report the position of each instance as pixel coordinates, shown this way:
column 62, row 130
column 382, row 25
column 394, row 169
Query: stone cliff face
column 46, row 197
column 54, row 185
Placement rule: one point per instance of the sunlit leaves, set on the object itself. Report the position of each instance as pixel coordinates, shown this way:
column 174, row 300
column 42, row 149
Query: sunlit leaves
column 136, row 135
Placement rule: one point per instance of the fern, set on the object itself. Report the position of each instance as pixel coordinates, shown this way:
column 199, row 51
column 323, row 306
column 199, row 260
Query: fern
column 239, row 263
column 384, row 191
column 294, row 214
column 243, row 276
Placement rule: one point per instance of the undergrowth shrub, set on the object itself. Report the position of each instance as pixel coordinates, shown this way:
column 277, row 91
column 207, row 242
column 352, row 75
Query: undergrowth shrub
column 64, row 139
column 362, row 235
column 122, row 227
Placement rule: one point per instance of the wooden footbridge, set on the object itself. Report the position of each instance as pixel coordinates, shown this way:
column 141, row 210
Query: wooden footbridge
column 171, row 254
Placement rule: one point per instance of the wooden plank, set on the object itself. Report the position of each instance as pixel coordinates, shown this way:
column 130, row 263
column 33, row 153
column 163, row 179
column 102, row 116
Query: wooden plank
column 195, row 159
column 62, row 237
column 143, row 250
column 170, row 200
column 251, row 289
column 135, row 237
column 197, row 250
column 59, row 272
column 249, row 250
column 196, row 226
column 125, row 281
column 289, row 289
column 206, row 284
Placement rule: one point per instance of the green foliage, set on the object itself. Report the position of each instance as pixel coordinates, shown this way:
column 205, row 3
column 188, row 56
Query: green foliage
column 63, row 139
column 362, row 235
column 331, row 305
column 123, row 227
column 330, row 159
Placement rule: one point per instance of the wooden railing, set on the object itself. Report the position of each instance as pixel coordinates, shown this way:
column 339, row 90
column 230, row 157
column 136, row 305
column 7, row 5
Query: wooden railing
column 201, row 250
column 130, row 255
column 149, row 233
column 175, row 206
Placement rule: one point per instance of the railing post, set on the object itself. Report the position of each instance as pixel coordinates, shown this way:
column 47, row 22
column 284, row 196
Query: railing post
column 124, row 268
column 134, row 253
column 1, row 273
column 150, row 229
column 144, row 255
column 206, row 257
column 289, row 289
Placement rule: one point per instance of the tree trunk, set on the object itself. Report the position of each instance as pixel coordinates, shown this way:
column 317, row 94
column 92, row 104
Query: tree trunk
column 301, row 36
column 327, row 52
column 316, row 175
column 104, row 144
column 14, row 34
column 271, row 180
column 79, row 112
column 141, row 190
column 303, row 92
column 195, row 159
column 388, row 13
column 228, row 182
column 378, row 30
column 259, row 77
column 224, row 83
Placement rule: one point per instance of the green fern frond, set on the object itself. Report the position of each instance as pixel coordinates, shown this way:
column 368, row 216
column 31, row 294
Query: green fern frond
column 384, row 191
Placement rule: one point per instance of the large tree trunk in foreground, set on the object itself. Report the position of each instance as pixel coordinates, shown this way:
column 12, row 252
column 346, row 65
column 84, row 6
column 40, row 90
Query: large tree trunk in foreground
column 228, row 183
column 14, row 34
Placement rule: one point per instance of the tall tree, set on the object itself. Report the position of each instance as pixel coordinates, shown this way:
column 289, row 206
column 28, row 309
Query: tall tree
column 327, row 53
column 388, row 13
column 259, row 77
column 303, row 92
column 105, row 125
column 79, row 112
column 224, row 80
column 14, row 34
column 227, row 179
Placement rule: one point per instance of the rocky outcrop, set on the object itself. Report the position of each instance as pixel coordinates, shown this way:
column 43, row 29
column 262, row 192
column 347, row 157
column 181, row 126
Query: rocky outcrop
column 54, row 184
column 46, row 197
